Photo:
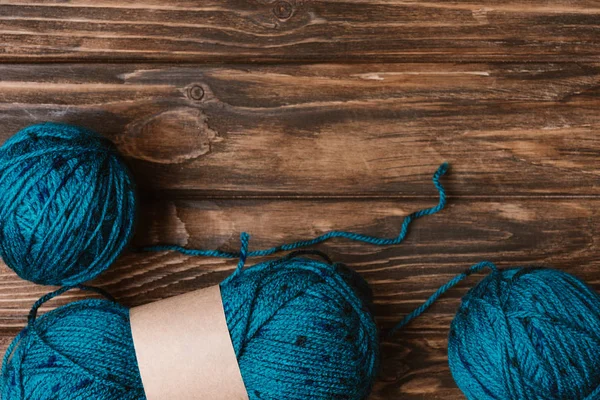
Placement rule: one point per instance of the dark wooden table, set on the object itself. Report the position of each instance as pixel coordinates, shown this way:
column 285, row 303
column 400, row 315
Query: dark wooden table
column 289, row 118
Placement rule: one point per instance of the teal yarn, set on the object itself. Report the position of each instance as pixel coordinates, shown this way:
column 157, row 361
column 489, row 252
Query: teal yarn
column 526, row 334
column 313, row 336
column 301, row 329
column 83, row 350
column 539, row 338
column 68, row 204
column 358, row 237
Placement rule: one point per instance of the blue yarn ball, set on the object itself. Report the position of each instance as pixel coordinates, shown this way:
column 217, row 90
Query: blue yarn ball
column 68, row 204
column 527, row 334
column 83, row 350
column 300, row 329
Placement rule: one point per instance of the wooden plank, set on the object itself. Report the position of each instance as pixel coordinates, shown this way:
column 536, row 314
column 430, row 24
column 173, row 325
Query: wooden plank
column 560, row 233
column 329, row 130
column 300, row 31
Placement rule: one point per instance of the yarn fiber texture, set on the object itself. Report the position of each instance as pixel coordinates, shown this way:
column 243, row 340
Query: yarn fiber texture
column 527, row 334
column 301, row 329
column 68, row 204
column 83, row 350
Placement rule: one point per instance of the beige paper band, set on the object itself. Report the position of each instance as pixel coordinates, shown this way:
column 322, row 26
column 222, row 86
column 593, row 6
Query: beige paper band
column 184, row 350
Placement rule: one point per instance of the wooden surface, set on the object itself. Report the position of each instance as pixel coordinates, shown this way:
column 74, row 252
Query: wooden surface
column 300, row 30
column 288, row 119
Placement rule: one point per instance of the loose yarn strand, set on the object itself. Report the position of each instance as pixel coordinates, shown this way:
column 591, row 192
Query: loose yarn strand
column 434, row 297
column 49, row 296
column 244, row 240
column 358, row 237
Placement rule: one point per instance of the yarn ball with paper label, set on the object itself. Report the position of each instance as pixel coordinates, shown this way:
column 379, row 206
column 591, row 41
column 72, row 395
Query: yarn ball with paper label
column 301, row 329
column 527, row 334
column 68, row 204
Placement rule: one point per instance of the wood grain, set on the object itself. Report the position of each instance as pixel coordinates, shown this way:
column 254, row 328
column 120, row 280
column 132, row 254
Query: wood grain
column 348, row 31
column 329, row 130
column 556, row 233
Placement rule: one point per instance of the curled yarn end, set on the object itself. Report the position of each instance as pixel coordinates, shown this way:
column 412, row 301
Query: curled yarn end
column 358, row 237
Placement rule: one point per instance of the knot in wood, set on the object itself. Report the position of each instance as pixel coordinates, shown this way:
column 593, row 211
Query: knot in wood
column 196, row 92
column 283, row 9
